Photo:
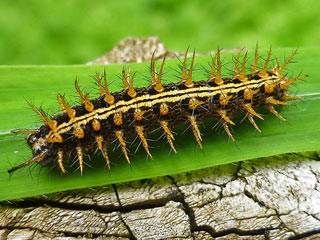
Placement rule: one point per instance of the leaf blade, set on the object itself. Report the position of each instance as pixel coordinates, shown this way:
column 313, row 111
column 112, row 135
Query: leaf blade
column 41, row 83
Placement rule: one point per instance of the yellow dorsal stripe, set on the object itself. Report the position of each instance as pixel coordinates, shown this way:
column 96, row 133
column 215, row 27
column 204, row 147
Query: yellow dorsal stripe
column 168, row 96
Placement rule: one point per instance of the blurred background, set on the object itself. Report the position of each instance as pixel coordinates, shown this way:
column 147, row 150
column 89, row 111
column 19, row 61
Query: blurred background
column 78, row 31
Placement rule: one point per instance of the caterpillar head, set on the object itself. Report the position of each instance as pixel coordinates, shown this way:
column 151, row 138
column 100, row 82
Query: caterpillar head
column 39, row 147
column 37, row 143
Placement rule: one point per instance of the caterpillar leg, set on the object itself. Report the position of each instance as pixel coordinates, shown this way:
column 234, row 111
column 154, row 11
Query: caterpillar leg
column 225, row 121
column 60, row 161
column 25, row 131
column 103, row 148
column 274, row 112
column 139, row 130
column 251, row 113
column 99, row 140
column 226, row 128
column 251, row 119
column 224, row 116
column 273, row 101
column 119, row 135
column 286, row 96
column 35, row 159
column 80, row 158
column 169, row 136
column 105, row 155
column 249, row 109
column 195, row 129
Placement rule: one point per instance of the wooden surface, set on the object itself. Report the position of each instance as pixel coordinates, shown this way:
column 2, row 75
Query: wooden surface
column 272, row 198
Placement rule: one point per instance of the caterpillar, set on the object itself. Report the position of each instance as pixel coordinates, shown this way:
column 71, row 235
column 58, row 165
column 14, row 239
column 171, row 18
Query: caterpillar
column 116, row 116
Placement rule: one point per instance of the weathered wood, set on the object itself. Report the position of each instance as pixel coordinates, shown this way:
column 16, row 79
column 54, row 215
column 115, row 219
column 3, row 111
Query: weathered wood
column 271, row 198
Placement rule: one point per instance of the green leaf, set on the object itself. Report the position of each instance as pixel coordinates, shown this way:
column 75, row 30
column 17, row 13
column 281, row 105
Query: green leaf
column 40, row 84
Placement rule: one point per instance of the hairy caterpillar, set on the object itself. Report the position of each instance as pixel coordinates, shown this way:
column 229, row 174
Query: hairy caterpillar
column 113, row 117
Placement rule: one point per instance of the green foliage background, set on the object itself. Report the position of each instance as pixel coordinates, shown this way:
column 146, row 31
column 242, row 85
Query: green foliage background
column 77, row 31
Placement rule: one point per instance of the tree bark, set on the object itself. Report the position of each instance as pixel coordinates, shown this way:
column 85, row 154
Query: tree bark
column 270, row 198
